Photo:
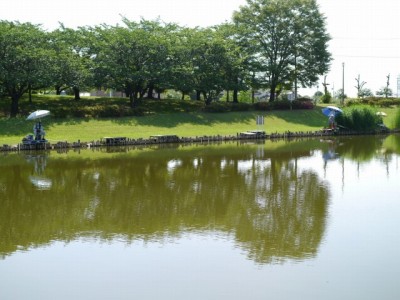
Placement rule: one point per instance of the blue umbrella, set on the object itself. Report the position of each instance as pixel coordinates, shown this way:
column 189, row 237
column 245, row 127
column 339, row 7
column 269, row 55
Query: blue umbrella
column 329, row 110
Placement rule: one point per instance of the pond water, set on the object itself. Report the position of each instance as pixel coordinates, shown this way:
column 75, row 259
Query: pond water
column 306, row 219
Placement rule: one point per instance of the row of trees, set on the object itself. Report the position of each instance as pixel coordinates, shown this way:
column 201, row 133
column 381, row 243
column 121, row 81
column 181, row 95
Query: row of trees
column 269, row 44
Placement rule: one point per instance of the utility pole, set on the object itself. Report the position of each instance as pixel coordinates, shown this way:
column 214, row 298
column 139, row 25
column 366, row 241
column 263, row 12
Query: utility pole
column 398, row 86
column 342, row 83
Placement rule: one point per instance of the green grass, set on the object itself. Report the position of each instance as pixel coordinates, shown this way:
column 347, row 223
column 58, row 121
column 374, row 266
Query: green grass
column 181, row 124
column 179, row 118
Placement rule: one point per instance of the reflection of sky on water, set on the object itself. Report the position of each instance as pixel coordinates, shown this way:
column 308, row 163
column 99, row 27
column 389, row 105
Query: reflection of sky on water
column 41, row 183
column 356, row 258
column 37, row 178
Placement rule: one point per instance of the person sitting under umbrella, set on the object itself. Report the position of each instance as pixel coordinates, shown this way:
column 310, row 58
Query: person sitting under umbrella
column 332, row 121
column 38, row 131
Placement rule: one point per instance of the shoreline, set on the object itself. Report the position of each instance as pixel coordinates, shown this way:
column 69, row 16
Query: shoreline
column 173, row 139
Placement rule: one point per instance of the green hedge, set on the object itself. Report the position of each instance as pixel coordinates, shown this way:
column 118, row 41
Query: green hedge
column 374, row 101
column 397, row 119
column 359, row 119
column 302, row 103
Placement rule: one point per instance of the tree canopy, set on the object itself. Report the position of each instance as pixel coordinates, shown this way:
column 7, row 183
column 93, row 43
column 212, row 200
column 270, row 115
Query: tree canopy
column 271, row 44
column 287, row 38
column 25, row 60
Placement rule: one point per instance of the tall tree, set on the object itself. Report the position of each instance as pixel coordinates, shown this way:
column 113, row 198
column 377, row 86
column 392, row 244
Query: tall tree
column 73, row 64
column 237, row 63
column 160, row 65
column 182, row 63
column 132, row 58
column 210, row 58
column 288, row 38
column 25, row 60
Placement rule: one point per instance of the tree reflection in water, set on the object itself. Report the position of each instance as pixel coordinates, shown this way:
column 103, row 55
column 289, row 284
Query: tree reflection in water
column 261, row 199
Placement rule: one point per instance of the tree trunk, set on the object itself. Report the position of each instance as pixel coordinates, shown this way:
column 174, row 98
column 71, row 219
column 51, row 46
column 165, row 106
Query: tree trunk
column 30, row 94
column 207, row 98
column 76, row 93
column 150, row 91
column 227, row 96
column 198, row 95
column 142, row 93
column 235, row 96
column 132, row 100
column 272, row 93
column 14, row 106
column 183, row 96
column 128, row 92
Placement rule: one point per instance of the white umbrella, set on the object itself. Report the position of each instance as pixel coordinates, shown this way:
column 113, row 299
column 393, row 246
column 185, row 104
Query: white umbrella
column 38, row 114
column 381, row 113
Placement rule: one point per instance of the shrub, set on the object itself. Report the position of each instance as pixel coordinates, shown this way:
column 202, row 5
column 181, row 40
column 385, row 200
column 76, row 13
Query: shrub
column 359, row 118
column 326, row 98
column 240, row 106
column 303, row 103
column 262, row 106
column 217, row 107
column 352, row 102
column 380, row 101
column 397, row 119
column 283, row 105
column 109, row 111
column 60, row 113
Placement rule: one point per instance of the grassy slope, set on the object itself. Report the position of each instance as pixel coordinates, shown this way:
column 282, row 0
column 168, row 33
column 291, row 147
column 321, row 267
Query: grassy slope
column 182, row 124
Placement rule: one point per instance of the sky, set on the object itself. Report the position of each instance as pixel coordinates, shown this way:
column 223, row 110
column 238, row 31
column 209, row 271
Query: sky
column 365, row 36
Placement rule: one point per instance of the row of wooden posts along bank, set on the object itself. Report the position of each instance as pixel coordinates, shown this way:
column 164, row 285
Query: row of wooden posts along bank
column 159, row 139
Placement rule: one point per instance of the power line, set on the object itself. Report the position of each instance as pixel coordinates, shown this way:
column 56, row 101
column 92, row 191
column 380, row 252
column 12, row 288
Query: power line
column 368, row 38
column 368, row 56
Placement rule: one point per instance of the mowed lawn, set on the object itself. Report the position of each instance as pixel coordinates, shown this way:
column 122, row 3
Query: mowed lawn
column 182, row 124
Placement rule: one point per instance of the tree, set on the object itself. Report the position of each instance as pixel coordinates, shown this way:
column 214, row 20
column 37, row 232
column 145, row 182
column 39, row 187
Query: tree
column 72, row 67
column 210, row 57
column 385, row 91
column 317, row 96
column 160, row 65
column 365, row 93
column 236, row 69
column 359, row 86
column 339, row 94
column 182, row 65
column 25, row 60
column 289, row 39
column 135, row 58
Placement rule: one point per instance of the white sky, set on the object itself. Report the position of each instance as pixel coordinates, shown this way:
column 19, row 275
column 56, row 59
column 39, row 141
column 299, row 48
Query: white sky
column 365, row 34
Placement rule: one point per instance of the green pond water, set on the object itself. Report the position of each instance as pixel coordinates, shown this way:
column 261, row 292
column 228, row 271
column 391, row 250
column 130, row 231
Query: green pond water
column 306, row 219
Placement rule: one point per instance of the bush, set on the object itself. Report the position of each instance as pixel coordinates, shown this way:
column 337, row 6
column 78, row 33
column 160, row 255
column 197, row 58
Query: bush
column 262, row 106
column 240, row 106
column 326, row 98
column 380, row 101
column 283, row 105
column 109, row 111
column 397, row 119
column 217, row 107
column 303, row 103
column 359, row 119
